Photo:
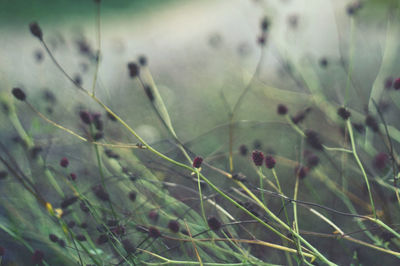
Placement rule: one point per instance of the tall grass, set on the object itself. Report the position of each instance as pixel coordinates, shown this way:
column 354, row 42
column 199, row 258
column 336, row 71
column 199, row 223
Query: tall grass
column 300, row 168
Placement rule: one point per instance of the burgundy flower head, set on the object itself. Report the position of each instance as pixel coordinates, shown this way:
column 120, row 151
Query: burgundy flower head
column 197, row 162
column 270, row 161
column 258, row 157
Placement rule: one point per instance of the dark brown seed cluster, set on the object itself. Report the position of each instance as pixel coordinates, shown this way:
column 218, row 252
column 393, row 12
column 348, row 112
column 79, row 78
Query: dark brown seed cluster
column 396, row 84
column 313, row 140
column 80, row 238
column 153, row 215
column 282, row 109
column 388, row 83
column 270, row 161
column 154, row 232
column 197, row 162
column 381, row 160
column 102, row 239
column 36, row 30
column 37, row 257
column 149, row 92
column 343, row 113
column 312, row 160
column 133, row 69
column 19, row 94
column 132, row 195
column 53, row 238
column 86, row 117
column 265, row 24
column 300, row 116
column 68, row 201
column 323, row 62
column 371, row 122
column 301, row 171
column 354, row 7
column 214, row 223
column 243, row 150
column 258, row 157
column 128, row 246
column 64, row 162
column 142, row 60
column 101, row 193
column 173, row 225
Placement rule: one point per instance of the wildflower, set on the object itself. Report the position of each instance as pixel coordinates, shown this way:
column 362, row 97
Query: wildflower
column 258, row 157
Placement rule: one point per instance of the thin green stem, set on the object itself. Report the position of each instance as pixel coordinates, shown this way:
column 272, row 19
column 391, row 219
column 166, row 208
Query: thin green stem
column 353, row 146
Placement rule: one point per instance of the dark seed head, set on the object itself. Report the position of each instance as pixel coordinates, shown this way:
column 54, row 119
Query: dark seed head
column 142, row 60
column 270, row 161
column 86, row 117
column 257, row 145
column 396, row 84
column 19, row 94
column 36, row 30
column 132, row 195
column 53, row 238
column 282, row 109
column 265, row 24
column 84, row 207
column 71, row 224
column 301, row 171
column 102, row 239
column 37, row 257
column 261, row 40
column 154, row 232
column 128, row 246
column 64, row 162
column 300, row 116
column 101, row 193
column 61, row 243
column 197, row 162
column 359, row 128
column 78, row 80
column 72, row 176
column 380, row 161
column 112, row 223
column 214, row 223
column 81, row 238
column 173, row 226
column 98, row 123
column 323, row 62
column 38, row 54
column 388, row 83
column 133, row 69
column 313, row 140
column 84, row 225
column 258, row 157
column 98, row 136
column 69, row 201
column 153, row 215
column 149, row 92
column 312, row 161
column 119, row 230
column 243, row 150
column 35, row 151
column 343, row 113
column 371, row 122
